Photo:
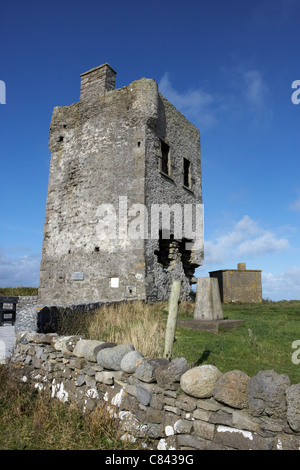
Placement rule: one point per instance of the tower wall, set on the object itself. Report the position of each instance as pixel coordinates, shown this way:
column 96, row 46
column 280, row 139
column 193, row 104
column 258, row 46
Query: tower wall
column 107, row 162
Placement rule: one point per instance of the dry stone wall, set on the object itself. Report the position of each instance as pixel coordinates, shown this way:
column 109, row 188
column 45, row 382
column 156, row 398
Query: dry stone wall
column 26, row 300
column 162, row 404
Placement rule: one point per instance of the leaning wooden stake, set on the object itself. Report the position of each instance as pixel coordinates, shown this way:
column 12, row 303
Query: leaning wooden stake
column 172, row 319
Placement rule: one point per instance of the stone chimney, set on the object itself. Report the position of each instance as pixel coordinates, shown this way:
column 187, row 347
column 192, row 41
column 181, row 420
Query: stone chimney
column 96, row 82
column 241, row 266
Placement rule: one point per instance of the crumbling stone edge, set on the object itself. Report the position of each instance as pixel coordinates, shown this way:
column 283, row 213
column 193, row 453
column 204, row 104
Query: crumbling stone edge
column 163, row 405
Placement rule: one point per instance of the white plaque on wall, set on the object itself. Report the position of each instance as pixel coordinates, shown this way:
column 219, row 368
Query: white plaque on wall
column 114, row 282
column 78, row 276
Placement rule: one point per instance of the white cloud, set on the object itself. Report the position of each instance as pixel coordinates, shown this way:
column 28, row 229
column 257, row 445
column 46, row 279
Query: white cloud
column 244, row 94
column 295, row 206
column 247, row 239
column 198, row 105
column 254, row 88
column 283, row 286
column 21, row 271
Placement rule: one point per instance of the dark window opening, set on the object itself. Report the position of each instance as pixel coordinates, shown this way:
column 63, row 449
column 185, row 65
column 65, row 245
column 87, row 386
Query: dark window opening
column 96, row 249
column 186, row 173
column 165, row 158
column 60, row 139
column 139, row 144
column 163, row 251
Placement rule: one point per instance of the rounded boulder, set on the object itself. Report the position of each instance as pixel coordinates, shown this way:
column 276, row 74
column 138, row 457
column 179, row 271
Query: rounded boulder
column 87, row 348
column 200, row 381
column 129, row 362
column 110, row 358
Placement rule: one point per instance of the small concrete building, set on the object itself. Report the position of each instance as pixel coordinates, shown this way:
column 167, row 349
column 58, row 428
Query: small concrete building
column 239, row 285
column 124, row 188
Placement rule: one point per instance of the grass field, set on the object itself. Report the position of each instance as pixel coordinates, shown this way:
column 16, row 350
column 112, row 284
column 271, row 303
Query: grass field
column 263, row 342
column 18, row 291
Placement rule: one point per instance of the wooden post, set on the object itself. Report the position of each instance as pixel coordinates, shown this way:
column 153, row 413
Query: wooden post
column 172, row 319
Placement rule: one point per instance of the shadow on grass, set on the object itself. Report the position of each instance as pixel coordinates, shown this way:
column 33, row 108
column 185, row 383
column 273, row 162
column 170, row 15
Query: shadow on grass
column 203, row 357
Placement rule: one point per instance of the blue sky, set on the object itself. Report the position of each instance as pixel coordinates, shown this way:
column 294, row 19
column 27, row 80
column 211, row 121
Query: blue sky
column 227, row 65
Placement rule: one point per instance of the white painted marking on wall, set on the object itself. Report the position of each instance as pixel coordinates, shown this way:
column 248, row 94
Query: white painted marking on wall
column 246, row 434
column 169, row 431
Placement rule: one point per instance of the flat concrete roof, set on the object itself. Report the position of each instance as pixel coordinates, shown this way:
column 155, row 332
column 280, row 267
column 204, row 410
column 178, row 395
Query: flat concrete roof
column 237, row 270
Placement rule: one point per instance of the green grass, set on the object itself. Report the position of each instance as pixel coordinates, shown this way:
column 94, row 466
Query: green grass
column 31, row 421
column 264, row 342
column 18, row 291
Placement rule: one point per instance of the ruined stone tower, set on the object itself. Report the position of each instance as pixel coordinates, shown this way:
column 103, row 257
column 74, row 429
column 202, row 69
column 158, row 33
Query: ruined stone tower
column 119, row 157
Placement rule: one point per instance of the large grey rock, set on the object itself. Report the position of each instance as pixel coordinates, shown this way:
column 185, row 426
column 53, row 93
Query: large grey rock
column 107, row 345
column 110, row 358
column 129, row 361
column 143, row 395
column 232, row 390
column 88, row 349
column 293, row 407
column 200, row 381
column 146, row 371
column 169, row 373
column 267, row 394
column 65, row 343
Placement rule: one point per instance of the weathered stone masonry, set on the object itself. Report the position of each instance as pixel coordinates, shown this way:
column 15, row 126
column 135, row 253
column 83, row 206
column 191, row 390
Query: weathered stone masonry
column 165, row 405
column 114, row 145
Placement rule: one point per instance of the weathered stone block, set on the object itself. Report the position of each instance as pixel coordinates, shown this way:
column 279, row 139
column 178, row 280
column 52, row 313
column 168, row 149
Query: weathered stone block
column 167, row 374
column 293, row 406
column 267, row 394
column 221, row 417
column 190, row 440
column 186, row 403
column 232, row 390
column 146, row 371
column 286, row 442
column 182, row 426
column 203, row 415
column 65, row 343
column 240, row 439
column 157, row 401
column 204, row 429
column 143, row 395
